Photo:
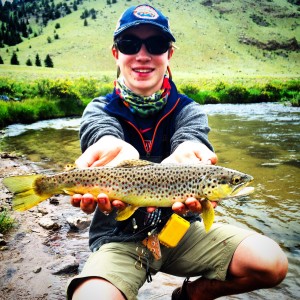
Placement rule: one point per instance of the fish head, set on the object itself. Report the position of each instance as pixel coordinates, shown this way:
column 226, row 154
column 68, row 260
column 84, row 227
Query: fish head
column 226, row 183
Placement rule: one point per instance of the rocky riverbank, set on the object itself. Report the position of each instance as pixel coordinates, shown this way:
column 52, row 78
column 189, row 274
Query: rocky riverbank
column 49, row 245
column 33, row 263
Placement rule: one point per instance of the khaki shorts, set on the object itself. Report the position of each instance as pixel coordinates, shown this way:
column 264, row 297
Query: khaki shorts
column 197, row 254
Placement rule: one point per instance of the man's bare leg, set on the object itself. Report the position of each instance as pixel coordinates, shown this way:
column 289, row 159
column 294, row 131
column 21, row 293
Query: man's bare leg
column 257, row 263
column 97, row 289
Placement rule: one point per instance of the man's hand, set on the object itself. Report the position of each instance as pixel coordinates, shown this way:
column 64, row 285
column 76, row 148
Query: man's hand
column 192, row 152
column 88, row 203
column 108, row 151
column 191, row 204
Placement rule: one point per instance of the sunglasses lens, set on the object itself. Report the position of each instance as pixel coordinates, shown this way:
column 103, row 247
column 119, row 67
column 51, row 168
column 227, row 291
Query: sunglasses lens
column 157, row 45
column 131, row 45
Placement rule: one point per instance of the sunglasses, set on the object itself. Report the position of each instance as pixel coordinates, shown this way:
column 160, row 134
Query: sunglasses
column 131, row 44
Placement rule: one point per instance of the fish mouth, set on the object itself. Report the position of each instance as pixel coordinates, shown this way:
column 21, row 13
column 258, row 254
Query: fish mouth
column 242, row 190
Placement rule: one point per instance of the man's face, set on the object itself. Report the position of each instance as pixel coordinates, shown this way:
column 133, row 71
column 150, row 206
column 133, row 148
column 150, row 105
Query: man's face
column 143, row 72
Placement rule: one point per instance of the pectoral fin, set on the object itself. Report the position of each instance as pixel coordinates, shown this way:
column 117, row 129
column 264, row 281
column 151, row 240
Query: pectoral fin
column 208, row 214
column 126, row 213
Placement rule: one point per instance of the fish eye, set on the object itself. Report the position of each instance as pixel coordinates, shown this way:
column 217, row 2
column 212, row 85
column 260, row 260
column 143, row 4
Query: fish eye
column 236, row 180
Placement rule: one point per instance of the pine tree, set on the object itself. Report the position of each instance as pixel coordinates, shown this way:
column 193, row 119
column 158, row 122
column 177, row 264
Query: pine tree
column 1, row 61
column 14, row 59
column 28, row 62
column 48, row 62
column 38, row 61
column 85, row 23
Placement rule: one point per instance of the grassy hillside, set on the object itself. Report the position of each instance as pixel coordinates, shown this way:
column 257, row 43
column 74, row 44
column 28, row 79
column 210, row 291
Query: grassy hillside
column 208, row 37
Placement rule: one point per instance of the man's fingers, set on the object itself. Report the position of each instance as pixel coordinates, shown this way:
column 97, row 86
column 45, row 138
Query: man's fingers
column 214, row 204
column 118, row 204
column 76, row 199
column 88, row 203
column 105, row 158
column 104, row 203
column 179, row 208
column 193, row 205
column 151, row 209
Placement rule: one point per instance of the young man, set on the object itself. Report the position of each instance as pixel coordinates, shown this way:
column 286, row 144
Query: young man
column 145, row 117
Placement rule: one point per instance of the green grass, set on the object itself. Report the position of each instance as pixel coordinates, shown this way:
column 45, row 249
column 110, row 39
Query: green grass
column 210, row 66
column 42, row 99
column 7, row 222
column 207, row 38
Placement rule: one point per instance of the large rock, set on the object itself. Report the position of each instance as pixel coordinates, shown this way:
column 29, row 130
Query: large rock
column 272, row 45
column 66, row 265
column 48, row 223
column 79, row 222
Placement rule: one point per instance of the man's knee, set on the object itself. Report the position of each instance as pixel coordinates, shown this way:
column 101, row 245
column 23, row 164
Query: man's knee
column 261, row 258
column 278, row 267
column 97, row 288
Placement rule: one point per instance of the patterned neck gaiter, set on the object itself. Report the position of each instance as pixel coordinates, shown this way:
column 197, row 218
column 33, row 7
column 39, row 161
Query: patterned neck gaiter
column 144, row 106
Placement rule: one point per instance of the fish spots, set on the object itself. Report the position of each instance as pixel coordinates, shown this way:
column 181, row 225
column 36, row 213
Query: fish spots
column 151, row 185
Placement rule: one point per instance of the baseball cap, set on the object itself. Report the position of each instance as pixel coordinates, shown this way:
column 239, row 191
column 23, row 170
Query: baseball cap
column 143, row 14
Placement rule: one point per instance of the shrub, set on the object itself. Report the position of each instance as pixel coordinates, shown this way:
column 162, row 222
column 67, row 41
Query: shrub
column 189, row 89
column 220, row 86
column 4, row 115
column 256, row 95
column 21, row 113
column 6, row 221
column 234, row 94
column 6, row 85
column 296, row 100
column 211, row 98
column 87, row 88
column 105, row 89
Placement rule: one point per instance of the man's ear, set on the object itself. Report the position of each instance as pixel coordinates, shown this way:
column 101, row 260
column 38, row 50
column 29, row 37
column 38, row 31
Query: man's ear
column 115, row 52
column 170, row 52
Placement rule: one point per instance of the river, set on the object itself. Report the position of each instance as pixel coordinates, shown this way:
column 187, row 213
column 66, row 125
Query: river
column 259, row 139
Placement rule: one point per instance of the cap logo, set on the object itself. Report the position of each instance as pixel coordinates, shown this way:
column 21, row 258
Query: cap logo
column 145, row 12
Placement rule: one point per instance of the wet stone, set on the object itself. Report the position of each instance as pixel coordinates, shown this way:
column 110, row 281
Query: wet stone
column 66, row 265
column 37, row 270
column 49, row 224
column 78, row 222
column 54, row 201
column 2, row 242
column 43, row 210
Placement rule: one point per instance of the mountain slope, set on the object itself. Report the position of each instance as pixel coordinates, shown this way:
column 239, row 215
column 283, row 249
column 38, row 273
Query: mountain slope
column 219, row 37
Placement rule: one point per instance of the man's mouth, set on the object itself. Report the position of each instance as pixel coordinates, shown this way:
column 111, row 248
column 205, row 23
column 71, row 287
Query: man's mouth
column 143, row 70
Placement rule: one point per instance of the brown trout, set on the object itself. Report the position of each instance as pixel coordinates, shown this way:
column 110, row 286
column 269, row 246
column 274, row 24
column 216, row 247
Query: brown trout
column 138, row 183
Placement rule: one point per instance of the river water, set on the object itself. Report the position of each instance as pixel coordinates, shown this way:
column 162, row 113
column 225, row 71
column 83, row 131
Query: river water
column 259, row 139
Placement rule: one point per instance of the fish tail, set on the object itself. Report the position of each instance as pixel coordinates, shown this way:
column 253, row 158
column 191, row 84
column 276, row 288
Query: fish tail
column 25, row 192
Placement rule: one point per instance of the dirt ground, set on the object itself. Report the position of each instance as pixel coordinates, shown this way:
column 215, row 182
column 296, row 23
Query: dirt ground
column 36, row 262
column 24, row 259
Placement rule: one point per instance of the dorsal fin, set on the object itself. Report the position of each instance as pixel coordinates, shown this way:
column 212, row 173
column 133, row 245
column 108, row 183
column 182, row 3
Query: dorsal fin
column 134, row 163
column 70, row 167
